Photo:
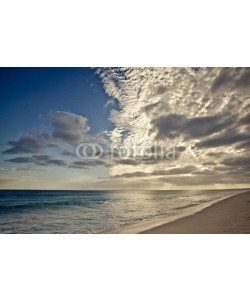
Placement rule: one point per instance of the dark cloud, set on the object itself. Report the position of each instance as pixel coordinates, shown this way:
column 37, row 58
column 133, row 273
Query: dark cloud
column 29, row 143
column 231, row 169
column 42, row 157
column 230, row 79
column 174, row 125
column 244, row 80
column 237, row 161
column 48, row 160
column 21, row 160
column 245, row 119
column 57, row 162
column 222, row 80
column 128, row 161
column 29, row 169
column 78, row 166
column 161, row 89
column 85, row 164
column 69, row 127
column 68, row 153
column 215, row 154
column 222, row 168
column 224, row 139
column 43, row 160
column 132, row 174
column 180, row 148
column 209, row 163
column 244, row 145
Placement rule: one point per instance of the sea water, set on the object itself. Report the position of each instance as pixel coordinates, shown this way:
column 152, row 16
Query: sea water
column 26, row 211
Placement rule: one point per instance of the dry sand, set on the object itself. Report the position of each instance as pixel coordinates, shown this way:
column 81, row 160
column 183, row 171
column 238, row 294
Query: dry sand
column 231, row 215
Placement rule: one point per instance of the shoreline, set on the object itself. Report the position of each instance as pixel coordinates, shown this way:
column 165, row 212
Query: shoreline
column 229, row 216
column 157, row 222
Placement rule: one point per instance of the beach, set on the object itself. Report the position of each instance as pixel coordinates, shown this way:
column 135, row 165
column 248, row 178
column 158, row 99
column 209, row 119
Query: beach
column 231, row 215
column 79, row 212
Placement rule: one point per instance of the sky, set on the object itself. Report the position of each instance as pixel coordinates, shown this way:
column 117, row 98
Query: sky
column 151, row 128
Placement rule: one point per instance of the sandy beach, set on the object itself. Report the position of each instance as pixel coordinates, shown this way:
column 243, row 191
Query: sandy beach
column 222, row 215
column 231, row 215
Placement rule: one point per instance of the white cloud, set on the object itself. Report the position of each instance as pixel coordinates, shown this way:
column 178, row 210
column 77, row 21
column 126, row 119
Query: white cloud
column 209, row 101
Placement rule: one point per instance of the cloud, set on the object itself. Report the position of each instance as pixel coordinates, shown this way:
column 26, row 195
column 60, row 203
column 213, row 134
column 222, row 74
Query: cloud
column 237, row 161
column 206, row 180
column 161, row 89
column 110, row 102
column 49, row 160
column 230, row 79
column 173, row 125
column 57, row 162
column 209, row 163
column 191, row 176
column 29, row 143
column 245, row 119
column 171, row 171
column 21, row 160
column 201, row 112
column 87, row 163
column 68, row 153
column 41, row 160
column 176, row 171
column 215, row 154
column 244, row 145
column 224, row 139
column 42, row 157
column 69, row 127
column 133, row 174
column 200, row 109
column 223, row 81
column 128, row 161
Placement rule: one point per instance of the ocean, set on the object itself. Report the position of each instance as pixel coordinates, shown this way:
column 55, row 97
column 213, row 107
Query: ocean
column 26, row 211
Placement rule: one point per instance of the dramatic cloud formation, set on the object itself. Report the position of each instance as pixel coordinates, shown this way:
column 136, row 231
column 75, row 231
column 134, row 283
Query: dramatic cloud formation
column 202, row 112
column 171, row 128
